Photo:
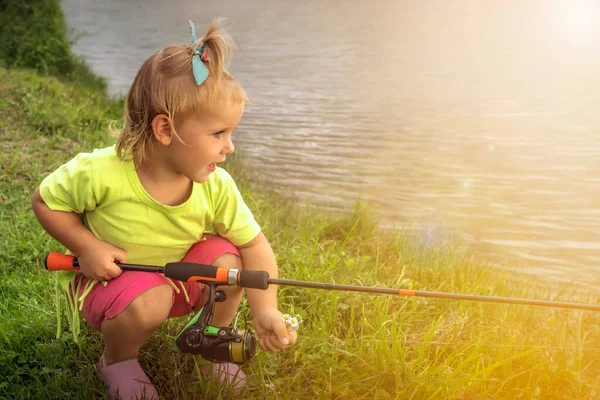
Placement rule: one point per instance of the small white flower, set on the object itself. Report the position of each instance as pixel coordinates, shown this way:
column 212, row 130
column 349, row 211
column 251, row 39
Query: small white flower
column 293, row 322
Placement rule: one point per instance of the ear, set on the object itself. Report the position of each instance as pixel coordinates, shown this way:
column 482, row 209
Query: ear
column 161, row 129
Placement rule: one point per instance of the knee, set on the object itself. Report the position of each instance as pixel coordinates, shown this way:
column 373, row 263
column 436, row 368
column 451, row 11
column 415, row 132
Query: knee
column 151, row 308
column 229, row 261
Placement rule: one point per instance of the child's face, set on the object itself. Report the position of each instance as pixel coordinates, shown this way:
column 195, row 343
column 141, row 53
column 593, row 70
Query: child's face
column 206, row 140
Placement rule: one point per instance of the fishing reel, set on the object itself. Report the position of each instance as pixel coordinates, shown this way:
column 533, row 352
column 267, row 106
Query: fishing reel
column 213, row 343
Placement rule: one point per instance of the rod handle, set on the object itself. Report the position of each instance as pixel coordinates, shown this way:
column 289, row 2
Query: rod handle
column 254, row 279
column 61, row 262
column 193, row 272
column 211, row 275
column 182, row 271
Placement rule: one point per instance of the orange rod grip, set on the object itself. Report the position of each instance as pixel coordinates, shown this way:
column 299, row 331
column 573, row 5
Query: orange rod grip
column 221, row 277
column 406, row 292
column 60, row 262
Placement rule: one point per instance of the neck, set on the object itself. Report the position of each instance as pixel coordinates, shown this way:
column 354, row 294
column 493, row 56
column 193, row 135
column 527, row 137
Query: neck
column 159, row 172
column 162, row 182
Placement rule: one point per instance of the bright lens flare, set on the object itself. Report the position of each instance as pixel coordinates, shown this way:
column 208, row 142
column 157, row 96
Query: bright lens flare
column 577, row 22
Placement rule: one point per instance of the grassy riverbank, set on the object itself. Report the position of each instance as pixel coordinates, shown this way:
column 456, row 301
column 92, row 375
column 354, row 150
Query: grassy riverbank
column 351, row 345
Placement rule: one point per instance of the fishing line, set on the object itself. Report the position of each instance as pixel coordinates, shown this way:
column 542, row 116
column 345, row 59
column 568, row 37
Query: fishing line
column 469, row 344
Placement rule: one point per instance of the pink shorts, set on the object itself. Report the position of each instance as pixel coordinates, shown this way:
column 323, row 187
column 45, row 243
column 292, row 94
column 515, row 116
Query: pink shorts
column 105, row 302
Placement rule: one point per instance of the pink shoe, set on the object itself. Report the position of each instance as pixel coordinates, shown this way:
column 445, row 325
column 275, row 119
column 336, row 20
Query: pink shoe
column 126, row 380
column 228, row 374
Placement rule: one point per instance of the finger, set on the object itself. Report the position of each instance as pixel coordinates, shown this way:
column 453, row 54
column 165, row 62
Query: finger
column 101, row 277
column 261, row 344
column 267, row 345
column 97, row 277
column 292, row 335
column 114, row 271
column 120, row 256
column 272, row 343
column 110, row 272
column 94, row 277
column 276, row 343
column 281, row 332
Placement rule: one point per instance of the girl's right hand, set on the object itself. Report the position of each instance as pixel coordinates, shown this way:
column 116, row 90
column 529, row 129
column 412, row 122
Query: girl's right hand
column 98, row 260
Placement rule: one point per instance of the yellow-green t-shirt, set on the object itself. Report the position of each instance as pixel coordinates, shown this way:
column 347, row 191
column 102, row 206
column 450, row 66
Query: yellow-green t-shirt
column 108, row 194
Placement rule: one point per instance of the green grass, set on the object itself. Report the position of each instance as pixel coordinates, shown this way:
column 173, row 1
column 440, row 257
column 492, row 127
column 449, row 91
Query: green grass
column 352, row 345
column 34, row 35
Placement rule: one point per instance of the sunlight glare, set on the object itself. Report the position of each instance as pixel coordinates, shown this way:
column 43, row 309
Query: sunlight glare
column 577, row 22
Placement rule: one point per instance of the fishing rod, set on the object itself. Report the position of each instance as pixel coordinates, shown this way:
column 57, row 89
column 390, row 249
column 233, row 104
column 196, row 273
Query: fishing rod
column 438, row 295
column 208, row 274
column 233, row 345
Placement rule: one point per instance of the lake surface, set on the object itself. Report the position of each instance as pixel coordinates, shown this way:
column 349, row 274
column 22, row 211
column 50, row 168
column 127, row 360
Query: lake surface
column 445, row 116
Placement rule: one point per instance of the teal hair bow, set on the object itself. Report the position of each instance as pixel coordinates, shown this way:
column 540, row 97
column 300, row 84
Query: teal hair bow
column 198, row 67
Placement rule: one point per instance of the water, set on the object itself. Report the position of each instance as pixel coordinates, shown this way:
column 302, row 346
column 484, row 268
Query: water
column 474, row 117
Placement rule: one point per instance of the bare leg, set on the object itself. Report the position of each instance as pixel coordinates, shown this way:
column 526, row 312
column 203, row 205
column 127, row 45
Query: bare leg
column 225, row 311
column 129, row 330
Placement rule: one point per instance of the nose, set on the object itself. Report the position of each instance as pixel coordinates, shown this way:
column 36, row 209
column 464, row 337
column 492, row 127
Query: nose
column 228, row 148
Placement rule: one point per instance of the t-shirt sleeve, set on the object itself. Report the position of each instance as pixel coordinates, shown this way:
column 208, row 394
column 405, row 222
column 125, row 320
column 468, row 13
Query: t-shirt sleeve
column 233, row 219
column 69, row 188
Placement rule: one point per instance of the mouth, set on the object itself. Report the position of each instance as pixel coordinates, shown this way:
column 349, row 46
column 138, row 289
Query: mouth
column 213, row 166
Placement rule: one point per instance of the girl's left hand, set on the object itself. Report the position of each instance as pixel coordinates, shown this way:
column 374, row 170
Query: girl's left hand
column 273, row 334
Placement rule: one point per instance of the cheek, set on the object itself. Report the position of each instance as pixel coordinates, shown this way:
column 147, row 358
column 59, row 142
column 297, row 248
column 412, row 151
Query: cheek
column 180, row 152
column 197, row 153
column 183, row 154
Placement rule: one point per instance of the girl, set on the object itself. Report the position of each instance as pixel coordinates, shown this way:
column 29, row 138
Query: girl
column 158, row 196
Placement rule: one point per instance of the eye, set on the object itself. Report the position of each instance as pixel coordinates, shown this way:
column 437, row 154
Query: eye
column 218, row 134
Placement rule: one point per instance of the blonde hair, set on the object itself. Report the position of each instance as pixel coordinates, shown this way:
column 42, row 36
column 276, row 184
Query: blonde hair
column 165, row 84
